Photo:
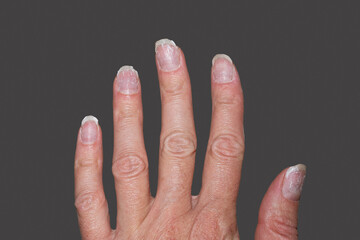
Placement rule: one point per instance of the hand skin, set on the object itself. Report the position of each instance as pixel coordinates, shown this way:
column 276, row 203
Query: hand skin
column 174, row 213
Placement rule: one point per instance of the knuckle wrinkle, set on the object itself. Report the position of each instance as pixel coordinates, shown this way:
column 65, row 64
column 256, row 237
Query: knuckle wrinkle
column 87, row 162
column 179, row 144
column 128, row 167
column 282, row 226
column 227, row 146
column 126, row 111
column 88, row 201
column 227, row 99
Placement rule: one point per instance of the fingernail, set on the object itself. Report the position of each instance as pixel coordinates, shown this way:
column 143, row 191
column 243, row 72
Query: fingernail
column 89, row 129
column 223, row 69
column 127, row 80
column 167, row 55
column 293, row 182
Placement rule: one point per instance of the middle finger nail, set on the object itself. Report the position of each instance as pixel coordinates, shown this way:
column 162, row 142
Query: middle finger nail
column 167, row 55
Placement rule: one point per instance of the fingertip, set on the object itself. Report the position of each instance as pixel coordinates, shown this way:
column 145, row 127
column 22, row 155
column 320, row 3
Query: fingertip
column 288, row 183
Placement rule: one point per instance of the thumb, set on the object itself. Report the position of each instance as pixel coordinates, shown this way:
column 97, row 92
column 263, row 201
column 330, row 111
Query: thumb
column 279, row 209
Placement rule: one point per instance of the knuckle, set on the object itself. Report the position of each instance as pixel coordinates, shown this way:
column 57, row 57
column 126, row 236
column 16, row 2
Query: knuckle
column 208, row 224
column 128, row 167
column 226, row 147
column 173, row 86
column 126, row 111
column 228, row 99
column 86, row 162
column 170, row 231
column 179, row 144
column 89, row 201
column 207, row 228
column 282, row 226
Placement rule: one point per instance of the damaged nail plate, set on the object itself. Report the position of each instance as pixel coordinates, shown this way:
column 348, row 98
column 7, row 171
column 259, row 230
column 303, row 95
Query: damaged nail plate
column 127, row 80
column 293, row 182
column 167, row 55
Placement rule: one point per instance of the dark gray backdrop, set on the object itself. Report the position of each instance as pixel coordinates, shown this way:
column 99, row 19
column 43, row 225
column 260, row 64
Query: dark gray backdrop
column 298, row 60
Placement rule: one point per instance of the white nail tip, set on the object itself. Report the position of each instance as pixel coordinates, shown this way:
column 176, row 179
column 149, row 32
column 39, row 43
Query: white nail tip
column 296, row 168
column 217, row 56
column 89, row 118
column 127, row 68
column 164, row 41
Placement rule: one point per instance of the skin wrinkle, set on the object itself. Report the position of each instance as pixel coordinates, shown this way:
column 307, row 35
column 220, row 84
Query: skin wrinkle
column 178, row 144
column 128, row 167
column 172, row 88
column 88, row 201
column 226, row 147
column 174, row 213
column 278, row 223
column 87, row 163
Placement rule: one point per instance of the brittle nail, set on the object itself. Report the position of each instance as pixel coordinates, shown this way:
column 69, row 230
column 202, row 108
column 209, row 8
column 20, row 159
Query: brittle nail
column 167, row 55
column 127, row 80
column 293, row 182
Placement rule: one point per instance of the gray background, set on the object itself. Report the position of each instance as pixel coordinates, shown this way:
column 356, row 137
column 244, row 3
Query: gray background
column 298, row 62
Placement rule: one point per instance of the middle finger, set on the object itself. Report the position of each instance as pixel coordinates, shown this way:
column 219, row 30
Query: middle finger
column 178, row 137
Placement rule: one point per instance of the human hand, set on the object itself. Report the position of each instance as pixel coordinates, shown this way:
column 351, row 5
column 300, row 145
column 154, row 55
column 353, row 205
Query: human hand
column 174, row 213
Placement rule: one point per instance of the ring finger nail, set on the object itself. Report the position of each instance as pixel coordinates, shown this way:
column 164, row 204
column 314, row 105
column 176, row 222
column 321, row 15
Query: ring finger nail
column 167, row 55
column 127, row 80
column 223, row 70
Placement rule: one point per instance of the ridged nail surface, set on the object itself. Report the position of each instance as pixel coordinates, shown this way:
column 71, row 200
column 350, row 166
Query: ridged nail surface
column 222, row 69
column 167, row 55
column 128, row 80
column 293, row 182
column 89, row 130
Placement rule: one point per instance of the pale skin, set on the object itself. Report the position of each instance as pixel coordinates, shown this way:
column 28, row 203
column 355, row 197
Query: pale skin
column 174, row 213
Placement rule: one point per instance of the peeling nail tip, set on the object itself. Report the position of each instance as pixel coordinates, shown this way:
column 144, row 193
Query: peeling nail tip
column 293, row 182
column 89, row 118
column 89, row 132
column 127, row 80
column 297, row 168
column 217, row 56
column 167, row 55
column 163, row 42
column 127, row 68
column 222, row 69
